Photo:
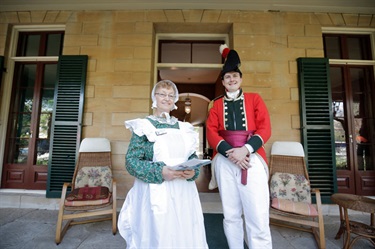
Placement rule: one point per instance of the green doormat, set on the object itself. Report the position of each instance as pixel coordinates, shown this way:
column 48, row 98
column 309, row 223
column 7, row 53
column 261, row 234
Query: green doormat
column 214, row 231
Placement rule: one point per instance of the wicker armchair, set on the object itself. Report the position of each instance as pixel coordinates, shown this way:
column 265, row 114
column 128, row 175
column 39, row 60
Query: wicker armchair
column 93, row 189
column 288, row 161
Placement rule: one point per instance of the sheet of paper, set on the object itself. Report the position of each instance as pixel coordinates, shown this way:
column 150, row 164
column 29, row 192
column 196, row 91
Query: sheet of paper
column 191, row 164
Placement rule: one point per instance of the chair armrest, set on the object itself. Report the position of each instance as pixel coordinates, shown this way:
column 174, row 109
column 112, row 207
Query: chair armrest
column 114, row 194
column 63, row 194
column 114, row 187
column 317, row 193
column 65, row 189
column 318, row 199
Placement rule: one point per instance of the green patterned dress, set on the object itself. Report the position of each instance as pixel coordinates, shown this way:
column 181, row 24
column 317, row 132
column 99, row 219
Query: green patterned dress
column 158, row 213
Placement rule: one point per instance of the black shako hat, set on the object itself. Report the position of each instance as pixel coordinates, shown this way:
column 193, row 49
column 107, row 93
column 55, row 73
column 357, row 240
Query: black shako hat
column 232, row 62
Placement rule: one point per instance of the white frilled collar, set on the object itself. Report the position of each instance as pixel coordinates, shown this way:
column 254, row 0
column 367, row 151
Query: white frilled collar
column 164, row 118
column 233, row 96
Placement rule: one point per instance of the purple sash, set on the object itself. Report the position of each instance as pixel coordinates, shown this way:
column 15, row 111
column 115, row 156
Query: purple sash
column 237, row 139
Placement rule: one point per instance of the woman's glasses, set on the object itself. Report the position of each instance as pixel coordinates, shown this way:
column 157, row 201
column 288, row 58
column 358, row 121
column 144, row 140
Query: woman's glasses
column 164, row 96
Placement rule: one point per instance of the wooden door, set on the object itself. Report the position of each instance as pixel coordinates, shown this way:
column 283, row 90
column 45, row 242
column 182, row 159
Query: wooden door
column 353, row 112
column 29, row 123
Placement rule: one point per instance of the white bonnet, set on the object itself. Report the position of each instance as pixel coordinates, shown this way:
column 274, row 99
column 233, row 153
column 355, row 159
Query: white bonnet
column 153, row 93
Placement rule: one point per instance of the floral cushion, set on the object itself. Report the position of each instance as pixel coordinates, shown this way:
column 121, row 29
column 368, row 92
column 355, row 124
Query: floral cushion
column 294, row 207
column 290, row 187
column 94, row 176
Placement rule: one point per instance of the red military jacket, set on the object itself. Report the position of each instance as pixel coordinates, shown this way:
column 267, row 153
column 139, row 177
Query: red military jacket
column 247, row 112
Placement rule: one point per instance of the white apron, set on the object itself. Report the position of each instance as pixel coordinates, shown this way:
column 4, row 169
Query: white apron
column 166, row 215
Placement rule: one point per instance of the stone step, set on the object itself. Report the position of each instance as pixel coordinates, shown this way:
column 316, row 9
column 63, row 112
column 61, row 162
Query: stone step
column 36, row 199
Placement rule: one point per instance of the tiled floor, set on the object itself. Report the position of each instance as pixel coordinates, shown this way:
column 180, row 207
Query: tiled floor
column 35, row 228
column 28, row 221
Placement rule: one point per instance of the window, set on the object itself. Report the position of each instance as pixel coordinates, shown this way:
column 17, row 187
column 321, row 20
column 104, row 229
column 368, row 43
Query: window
column 347, row 46
column 352, row 89
column 40, row 43
column 31, row 103
column 189, row 61
column 32, row 99
column 190, row 52
column 33, row 95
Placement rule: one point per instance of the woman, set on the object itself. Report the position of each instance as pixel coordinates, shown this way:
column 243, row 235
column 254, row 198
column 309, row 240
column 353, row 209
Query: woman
column 162, row 209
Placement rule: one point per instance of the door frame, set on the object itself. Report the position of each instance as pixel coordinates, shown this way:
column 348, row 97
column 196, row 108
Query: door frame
column 11, row 59
column 353, row 180
column 356, row 31
column 203, row 180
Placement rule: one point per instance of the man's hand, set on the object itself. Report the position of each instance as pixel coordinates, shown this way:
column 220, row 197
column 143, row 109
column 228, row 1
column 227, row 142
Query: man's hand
column 239, row 156
column 244, row 164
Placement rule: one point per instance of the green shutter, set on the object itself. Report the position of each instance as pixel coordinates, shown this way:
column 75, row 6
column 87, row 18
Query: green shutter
column 317, row 124
column 67, row 122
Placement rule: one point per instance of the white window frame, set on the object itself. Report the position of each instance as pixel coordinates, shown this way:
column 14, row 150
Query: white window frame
column 357, row 31
column 185, row 37
column 195, row 37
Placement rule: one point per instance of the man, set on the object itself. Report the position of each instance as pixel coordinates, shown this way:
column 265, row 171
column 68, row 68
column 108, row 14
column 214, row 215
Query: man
column 238, row 126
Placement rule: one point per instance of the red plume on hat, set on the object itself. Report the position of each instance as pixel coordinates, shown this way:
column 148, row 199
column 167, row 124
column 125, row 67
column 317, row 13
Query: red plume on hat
column 224, row 50
column 232, row 62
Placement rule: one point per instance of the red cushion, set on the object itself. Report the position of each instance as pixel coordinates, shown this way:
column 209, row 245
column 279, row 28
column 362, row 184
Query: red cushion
column 88, row 193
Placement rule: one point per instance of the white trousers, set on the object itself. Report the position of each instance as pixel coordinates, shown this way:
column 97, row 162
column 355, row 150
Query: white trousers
column 251, row 201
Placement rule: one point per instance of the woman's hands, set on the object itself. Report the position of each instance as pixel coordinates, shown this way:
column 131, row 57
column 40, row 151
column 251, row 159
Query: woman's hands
column 187, row 174
column 170, row 174
column 239, row 156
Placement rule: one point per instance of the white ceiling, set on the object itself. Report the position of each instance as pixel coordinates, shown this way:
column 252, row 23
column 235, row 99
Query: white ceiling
column 335, row 6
